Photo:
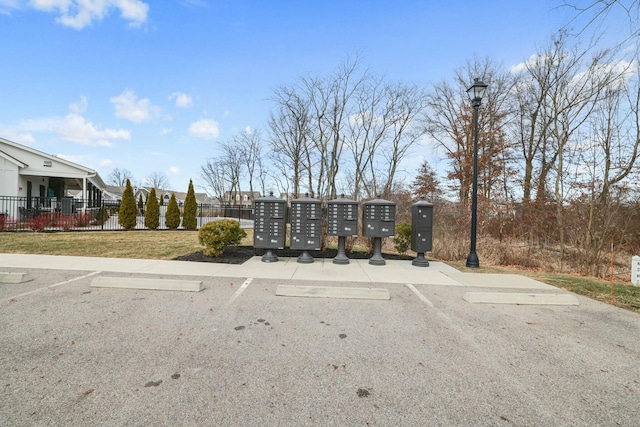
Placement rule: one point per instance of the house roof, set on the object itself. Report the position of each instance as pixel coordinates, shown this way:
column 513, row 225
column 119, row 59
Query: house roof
column 22, row 155
column 180, row 196
column 12, row 159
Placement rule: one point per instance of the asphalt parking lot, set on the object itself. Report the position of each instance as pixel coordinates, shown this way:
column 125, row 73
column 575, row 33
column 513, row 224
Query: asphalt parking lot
column 235, row 354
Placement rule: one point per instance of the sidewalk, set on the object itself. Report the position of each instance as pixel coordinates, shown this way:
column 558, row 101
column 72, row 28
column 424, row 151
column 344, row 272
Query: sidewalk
column 323, row 270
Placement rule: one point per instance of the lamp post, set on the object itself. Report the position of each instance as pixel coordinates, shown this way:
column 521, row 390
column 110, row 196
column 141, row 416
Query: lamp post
column 476, row 91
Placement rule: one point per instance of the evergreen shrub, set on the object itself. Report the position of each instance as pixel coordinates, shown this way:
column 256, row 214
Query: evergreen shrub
column 189, row 219
column 127, row 217
column 215, row 235
column 152, row 211
column 402, row 239
column 172, row 217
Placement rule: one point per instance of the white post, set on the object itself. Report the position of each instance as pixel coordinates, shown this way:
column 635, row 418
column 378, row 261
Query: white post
column 635, row 270
column 84, row 194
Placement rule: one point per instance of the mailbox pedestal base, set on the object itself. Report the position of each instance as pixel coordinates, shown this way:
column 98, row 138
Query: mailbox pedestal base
column 377, row 259
column 420, row 261
column 305, row 258
column 270, row 256
column 341, row 257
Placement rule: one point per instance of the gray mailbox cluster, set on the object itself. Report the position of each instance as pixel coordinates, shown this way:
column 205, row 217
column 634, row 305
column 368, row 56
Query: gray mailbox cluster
column 306, row 226
column 342, row 221
column 421, row 231
column 270, row 225
column 378, row 221
column 342, row 217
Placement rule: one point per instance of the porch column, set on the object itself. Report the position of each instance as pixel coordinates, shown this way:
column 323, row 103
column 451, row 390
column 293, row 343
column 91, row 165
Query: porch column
column 84, row 194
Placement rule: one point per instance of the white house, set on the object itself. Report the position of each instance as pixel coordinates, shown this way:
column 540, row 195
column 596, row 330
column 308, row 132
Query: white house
column 33, row 180
column 240, row 198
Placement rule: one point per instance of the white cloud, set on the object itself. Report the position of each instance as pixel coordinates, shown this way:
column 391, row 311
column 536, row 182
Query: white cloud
column 248, row 130
column 227, row 113
column 182, row 99
column 165, row 131
column 76, row 128
column 106, row 163
column 7, row 5
column 533, row 60
column 17, row 135
column 173, row 170
column 129, row 107
column 80, row 106
column 78, row 14
column 194, row 3
column 73, row 127
column 204, row 128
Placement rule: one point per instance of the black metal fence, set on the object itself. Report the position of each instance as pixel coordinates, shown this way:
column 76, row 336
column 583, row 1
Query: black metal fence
column 68, row 213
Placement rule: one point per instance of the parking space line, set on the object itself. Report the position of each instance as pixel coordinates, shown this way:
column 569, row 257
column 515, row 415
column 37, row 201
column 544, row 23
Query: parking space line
column 74, row 279
column 419, row 295
column 53, row 286
column 239, row 291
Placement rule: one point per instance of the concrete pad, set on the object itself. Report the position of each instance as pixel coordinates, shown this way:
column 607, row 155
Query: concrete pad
column 332, row 292
column 14, row 277
column 151, row 284
column 182, row 268
column 519, row 299
column 506, row 281
column 403, row 272
column 283, row 269
column 324, row 269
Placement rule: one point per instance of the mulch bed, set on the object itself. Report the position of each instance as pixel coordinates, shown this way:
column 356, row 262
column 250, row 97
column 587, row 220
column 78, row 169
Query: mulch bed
column 240, row 254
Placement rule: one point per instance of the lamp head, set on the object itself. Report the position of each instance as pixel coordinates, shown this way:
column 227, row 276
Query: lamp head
column 476, row 91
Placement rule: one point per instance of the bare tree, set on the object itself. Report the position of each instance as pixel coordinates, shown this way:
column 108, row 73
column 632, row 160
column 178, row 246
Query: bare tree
column 367, row 129
column 593, row 14
column 450, row 124
column 118, row 177
column 250, row 145
column 233, row 161
column 610, row 151
column 335, row 95
column 289, row 126
column 214, row 179
column 157, row 180
column 406, row 107
column 308, row 130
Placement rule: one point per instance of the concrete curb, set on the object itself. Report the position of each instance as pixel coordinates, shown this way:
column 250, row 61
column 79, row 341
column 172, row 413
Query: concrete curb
column 332, row 292
column 14, row 277
column 519, row 298
column 150, row 284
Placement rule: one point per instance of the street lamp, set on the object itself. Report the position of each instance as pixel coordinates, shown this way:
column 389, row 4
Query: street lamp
column 476, row 91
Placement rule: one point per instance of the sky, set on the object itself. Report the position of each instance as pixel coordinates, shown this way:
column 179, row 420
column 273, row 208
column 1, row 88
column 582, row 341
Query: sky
column 155, row 86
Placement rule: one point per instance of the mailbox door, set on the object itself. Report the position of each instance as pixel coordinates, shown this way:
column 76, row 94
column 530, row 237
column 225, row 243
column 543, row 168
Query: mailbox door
column 421, row 228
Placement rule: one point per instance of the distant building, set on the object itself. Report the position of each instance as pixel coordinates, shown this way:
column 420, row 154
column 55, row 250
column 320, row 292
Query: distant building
column 42, row 182
column 165, row 195
column 240, row 198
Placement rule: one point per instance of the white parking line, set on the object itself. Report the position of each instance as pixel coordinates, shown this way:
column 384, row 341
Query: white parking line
column 73, row 280
column 239, row 291
column 53, row 286
column 419, row 295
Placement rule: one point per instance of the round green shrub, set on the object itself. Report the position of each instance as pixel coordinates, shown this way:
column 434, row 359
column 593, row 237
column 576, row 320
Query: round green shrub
column 216, row 235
